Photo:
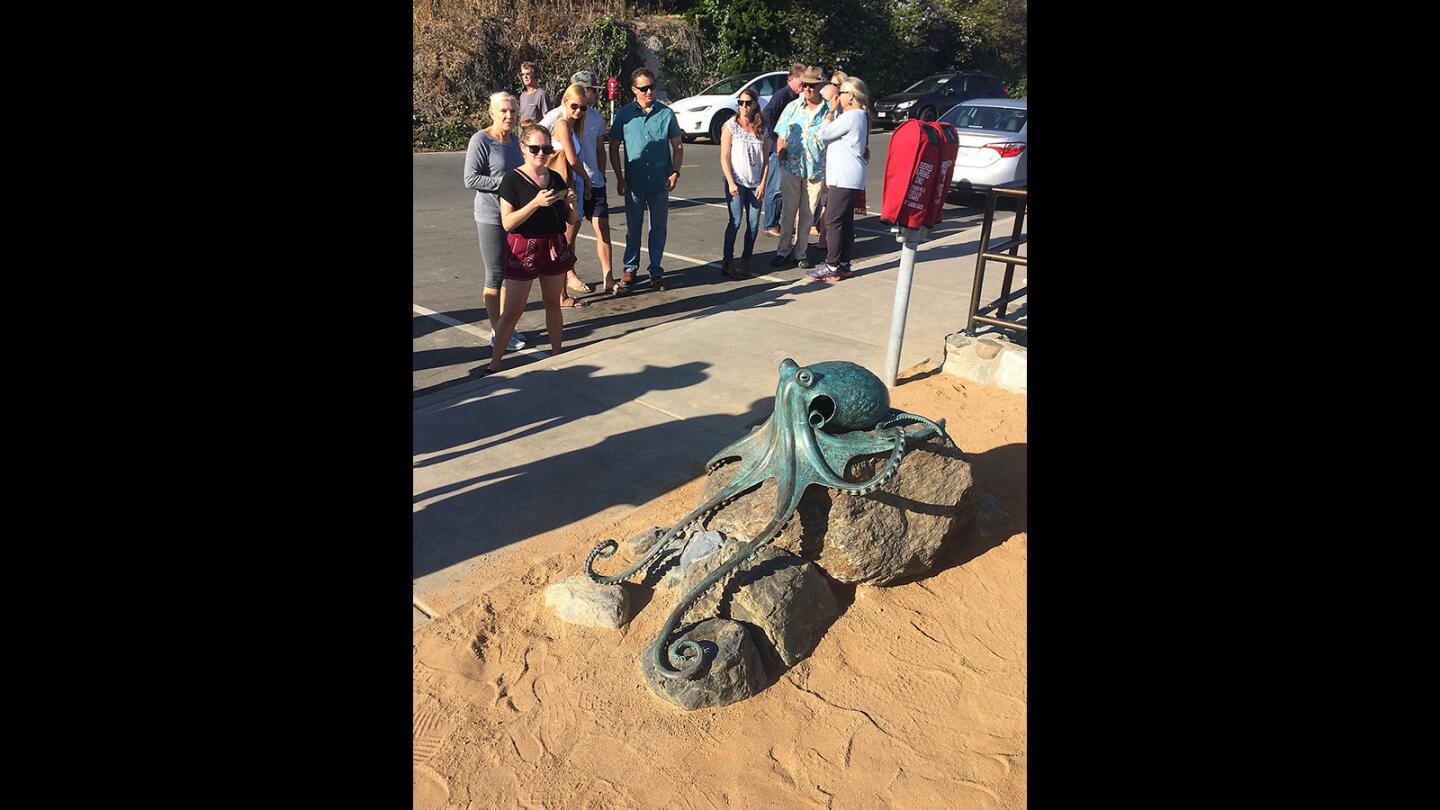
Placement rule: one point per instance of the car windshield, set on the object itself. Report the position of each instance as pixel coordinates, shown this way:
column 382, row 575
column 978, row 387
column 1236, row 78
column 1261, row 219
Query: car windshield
column 929, row 84
column 725, row 87
column 995, row 119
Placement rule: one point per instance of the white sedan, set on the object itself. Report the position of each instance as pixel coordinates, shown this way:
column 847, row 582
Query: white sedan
column 994, row 141
column 706, row 112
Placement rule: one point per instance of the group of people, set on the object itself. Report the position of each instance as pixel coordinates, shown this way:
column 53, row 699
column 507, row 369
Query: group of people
column 804, row 155
column 818, row 147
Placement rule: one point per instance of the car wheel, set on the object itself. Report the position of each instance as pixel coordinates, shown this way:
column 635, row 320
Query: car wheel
column 927, row 114
column 715, row 125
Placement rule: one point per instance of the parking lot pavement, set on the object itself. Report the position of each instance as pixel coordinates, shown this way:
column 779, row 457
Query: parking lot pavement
column 450, row 334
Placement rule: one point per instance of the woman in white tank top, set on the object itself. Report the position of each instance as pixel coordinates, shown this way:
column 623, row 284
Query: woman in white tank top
column 746, row 167
column 566, row 132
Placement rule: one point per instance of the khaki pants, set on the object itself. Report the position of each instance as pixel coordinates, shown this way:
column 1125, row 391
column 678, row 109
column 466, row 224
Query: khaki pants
column 800, row 197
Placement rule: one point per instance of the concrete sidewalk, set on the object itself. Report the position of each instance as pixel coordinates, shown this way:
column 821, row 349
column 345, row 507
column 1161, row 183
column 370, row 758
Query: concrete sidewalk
column 615, row 424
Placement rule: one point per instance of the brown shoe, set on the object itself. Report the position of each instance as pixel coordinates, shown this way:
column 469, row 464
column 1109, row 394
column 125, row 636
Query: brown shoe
column 628, row 278
column 775, row 232
column 659, row 284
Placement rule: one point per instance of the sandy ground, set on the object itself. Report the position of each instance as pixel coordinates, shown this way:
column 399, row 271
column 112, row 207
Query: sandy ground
column 914, row 698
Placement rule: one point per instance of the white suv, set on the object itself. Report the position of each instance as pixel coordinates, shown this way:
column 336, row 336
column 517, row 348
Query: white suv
column 707, row 111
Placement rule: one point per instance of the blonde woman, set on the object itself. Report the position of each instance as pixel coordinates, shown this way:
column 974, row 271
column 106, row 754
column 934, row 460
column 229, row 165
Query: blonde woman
column 535, row 207
column 566, row 123
column 745, row 167
column 492, row 153
column 846, row 135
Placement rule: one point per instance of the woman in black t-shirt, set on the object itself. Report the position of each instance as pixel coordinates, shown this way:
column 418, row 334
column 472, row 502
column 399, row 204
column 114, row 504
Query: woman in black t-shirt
column 535, row 207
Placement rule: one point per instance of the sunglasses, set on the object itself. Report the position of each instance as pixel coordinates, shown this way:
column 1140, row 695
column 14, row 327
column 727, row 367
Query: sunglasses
column 813, row 85
column 745, row 102
column 580, row 107
column 536, row 150
column 649, row 88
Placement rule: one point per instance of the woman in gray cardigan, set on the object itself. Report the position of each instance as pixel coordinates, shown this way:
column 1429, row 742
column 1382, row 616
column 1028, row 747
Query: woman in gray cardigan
column 846, row 136
column 492, row 153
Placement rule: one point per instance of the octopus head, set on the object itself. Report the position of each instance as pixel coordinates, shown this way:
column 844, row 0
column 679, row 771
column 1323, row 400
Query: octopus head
column 834, row 396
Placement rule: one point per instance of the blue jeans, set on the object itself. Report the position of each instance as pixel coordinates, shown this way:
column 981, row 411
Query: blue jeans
column 636, row 203
column 746, row 199
column 772, row 194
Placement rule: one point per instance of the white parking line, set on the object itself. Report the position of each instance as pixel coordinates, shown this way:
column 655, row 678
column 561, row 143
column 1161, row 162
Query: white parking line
column 449, row 321
column 701, row 262
column 472, row 329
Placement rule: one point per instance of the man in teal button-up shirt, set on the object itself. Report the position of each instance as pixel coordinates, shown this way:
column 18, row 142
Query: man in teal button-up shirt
column 802, row 167
column 649, row 172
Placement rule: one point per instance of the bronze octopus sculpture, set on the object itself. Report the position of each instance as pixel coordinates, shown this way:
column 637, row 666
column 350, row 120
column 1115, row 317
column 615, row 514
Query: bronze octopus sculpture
column 825, row 415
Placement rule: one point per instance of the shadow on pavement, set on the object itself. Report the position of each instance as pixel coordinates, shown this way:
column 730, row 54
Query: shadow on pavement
column 564, row 483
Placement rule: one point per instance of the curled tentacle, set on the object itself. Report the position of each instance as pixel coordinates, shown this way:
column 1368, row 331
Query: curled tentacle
column 937, row 427
column 892, row 464
column 685, row 656
column 665, row 546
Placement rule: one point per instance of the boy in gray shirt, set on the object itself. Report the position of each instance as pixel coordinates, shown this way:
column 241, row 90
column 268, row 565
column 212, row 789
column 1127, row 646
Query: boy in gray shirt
column 534, row 102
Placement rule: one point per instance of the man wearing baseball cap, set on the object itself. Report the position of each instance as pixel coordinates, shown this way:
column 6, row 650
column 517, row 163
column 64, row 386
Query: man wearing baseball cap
column 592, row 158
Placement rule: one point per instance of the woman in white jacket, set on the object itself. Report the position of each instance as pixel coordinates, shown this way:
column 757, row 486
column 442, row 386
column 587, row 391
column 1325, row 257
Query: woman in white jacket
column 846, row 135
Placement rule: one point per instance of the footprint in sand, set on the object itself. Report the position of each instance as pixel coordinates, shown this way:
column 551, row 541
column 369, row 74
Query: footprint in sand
column 429, row 791
column 431, row 729
column 527, row 743
column 523, row 695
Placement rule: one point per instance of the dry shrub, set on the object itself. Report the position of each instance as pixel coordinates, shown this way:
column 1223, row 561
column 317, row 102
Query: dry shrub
column 464, row 51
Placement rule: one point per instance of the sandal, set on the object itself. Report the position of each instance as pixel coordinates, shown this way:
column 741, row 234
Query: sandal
column 619, row 289
column 572, row 303
column 583, row 290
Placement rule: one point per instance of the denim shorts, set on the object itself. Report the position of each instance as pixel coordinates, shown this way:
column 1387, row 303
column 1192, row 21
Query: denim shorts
column 597, row 207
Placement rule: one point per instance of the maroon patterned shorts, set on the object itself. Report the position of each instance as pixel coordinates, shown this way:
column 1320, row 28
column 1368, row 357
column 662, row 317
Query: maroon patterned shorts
column 530, row 258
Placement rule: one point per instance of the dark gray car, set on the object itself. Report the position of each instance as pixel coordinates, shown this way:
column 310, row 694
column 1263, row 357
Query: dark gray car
column 932, row 96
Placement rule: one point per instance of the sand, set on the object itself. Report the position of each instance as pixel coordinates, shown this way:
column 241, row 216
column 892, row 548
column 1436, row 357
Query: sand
column 914, row 698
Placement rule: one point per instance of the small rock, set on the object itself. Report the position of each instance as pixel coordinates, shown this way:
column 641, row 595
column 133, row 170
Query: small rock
column 993, row 520
column 640, row 545
column 732, row 670
column 701, row 545
column 578, row 600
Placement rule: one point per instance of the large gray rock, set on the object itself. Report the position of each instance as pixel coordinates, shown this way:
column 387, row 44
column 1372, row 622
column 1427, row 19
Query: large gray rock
column 777, row 593
column 894, row 532
column 577, row 600
column 733, row 671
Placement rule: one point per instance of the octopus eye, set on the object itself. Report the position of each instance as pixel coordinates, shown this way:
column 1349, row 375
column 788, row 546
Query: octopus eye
column 805, row 378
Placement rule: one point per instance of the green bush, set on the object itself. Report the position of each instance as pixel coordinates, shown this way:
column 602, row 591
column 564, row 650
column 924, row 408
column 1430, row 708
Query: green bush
column 888, row 43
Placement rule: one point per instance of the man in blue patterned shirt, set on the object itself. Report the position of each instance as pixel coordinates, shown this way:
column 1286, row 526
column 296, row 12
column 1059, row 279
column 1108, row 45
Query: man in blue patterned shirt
column 802, row 168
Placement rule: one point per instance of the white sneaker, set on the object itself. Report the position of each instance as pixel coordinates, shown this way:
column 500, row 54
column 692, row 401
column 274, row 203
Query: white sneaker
column 514, row 344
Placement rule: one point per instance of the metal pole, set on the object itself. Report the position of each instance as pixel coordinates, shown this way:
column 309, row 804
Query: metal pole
column 909, row 239
column 1014, row 251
